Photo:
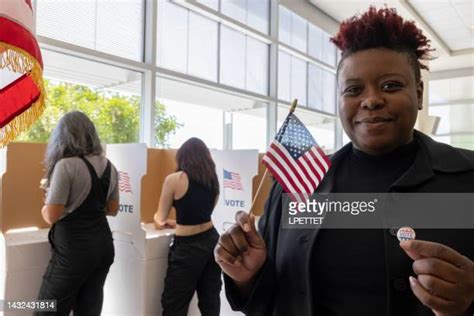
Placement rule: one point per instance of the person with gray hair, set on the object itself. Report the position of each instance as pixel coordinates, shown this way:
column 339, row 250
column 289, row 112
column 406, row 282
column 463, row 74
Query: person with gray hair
column 81, row 188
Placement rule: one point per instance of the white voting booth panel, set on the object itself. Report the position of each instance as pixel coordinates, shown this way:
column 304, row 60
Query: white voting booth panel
column 25, row 256
column 235, row 171
column 134, row 283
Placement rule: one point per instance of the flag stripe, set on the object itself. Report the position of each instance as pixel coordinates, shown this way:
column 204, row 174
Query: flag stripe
column 124, row 182
column 28, row 2
column 314, row 165
column 325, row 157
column 19, row 12
column 277, row 173
column 18, row 36
column 299, row 197
column 232, row 180
column 294, row 166
column 232, row 186
column 22, row 91
column 281, row 177
column 322, row 158
column 317, row 159
column 287, row 169
column 307, row 169
column 283, row 174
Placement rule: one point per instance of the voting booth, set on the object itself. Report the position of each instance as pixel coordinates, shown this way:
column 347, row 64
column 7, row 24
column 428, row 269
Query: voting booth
column 24, row 247
column 235, row 171
column 136, row 279
column 135, row 282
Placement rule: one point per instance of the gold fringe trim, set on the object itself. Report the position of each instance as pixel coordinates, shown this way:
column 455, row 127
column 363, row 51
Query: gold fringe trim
column 17, row 60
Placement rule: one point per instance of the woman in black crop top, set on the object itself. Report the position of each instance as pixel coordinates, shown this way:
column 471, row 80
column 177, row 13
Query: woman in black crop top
column 192, row 190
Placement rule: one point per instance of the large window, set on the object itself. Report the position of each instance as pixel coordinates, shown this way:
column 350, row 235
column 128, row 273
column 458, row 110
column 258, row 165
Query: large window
column 109, row 95
column 298, row 80
column 292, row 76
column 205, row 113
column 109, row 26
column 305, row 37
column 253, row 13
column 233, row 57
column 187, row 41
column 321, row 89
column 213, row 4
column 196, row 112
column 244, row 61
column 212, row 67
column 320, row 46
column 311, row 80
column 249, row 127
column 292, row 29
column 456, row 125
column 451, row 101
column 202, row 60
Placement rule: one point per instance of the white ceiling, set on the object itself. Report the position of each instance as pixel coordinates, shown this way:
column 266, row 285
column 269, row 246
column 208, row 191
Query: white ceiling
column 448, row 23
column 450, row 20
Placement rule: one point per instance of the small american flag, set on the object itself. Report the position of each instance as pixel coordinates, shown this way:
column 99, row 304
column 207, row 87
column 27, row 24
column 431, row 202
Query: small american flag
column 295, row 159
column 232, row 180
column 124, row 182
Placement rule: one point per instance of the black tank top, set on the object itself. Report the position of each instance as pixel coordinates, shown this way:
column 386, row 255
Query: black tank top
column 196, row 205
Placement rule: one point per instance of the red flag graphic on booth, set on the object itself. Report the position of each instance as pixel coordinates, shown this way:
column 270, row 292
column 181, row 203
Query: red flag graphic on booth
column 124, row 182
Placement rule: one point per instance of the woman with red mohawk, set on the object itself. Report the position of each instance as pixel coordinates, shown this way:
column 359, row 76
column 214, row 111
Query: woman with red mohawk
column 275, row 271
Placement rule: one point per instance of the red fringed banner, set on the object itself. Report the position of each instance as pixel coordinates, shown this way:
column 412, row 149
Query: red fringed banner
column 22, row 94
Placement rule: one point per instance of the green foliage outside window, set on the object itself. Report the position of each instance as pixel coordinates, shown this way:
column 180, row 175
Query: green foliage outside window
column 116, row 117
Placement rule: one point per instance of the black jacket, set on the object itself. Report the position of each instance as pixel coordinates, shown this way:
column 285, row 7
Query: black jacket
column 283, row 285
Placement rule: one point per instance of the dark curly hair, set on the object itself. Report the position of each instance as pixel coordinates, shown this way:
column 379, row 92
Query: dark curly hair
column 383, row 28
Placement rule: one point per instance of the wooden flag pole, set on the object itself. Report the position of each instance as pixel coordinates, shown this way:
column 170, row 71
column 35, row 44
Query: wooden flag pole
column 293, row 105
column 292, row 109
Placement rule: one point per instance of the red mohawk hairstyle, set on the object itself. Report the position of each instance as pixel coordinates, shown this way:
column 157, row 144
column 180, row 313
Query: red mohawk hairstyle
column 383, row 28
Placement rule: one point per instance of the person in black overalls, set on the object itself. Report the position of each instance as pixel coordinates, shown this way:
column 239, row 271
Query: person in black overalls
column 82, row 246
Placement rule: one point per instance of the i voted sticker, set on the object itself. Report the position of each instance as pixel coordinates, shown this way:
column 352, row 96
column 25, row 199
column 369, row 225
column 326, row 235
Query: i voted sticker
column 406, row 233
